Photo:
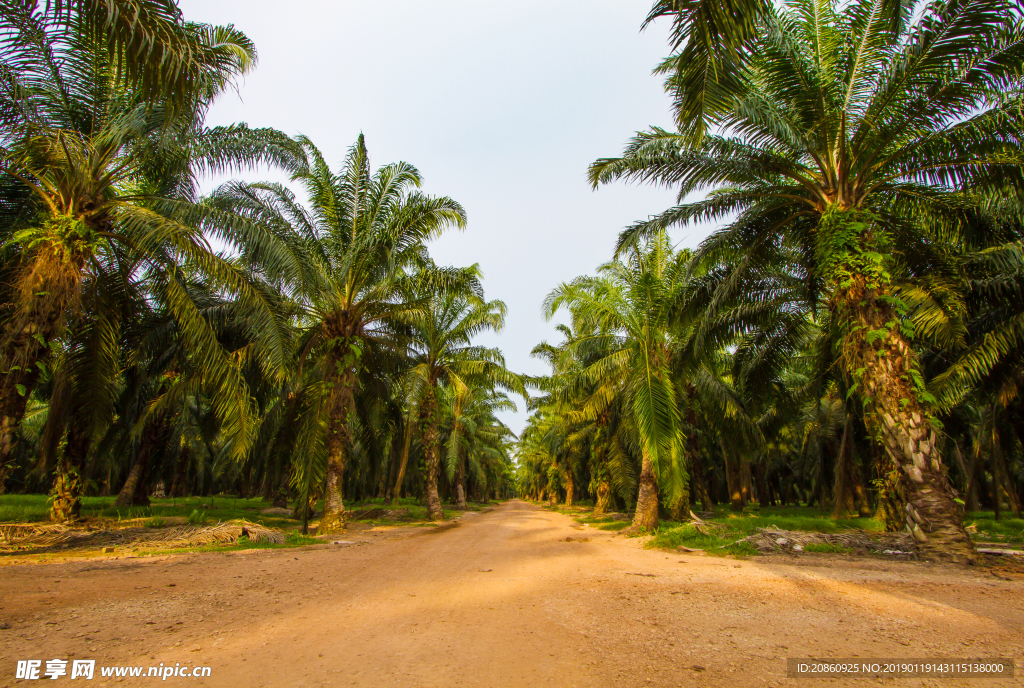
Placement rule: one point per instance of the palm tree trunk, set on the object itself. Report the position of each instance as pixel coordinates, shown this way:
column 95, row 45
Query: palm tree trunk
column 845, row 475
column 764, row 495
column 570, row 488
column 746, row 484
column 333, row 518
column 646, row 516
column 128, row 494
column 886, row 367
column 433, row 454
column 68, row 486
column 5, row 471
column 604, row 493
column 178, row 484
column 406, row 443
column 703, row 494
column 133, row 492
column 1000, row 477
column 861, row 493
column 599, row 469
column 680, row 509
column 460, row 487
column 732, row 479
column 44, row 292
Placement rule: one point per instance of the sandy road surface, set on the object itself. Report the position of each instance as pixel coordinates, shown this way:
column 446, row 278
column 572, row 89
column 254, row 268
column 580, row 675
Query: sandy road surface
column 501, row 600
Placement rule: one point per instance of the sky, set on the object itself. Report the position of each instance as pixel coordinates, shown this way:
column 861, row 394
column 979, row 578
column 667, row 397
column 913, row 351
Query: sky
column 501, row 106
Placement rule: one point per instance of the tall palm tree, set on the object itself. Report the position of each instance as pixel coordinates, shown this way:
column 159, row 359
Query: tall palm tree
column 629, row 307
column 109, row 175
column 862, row 139
column 360, row 243
column 441, row 342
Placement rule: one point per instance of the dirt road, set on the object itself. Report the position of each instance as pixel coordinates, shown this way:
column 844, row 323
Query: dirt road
column 504, row 599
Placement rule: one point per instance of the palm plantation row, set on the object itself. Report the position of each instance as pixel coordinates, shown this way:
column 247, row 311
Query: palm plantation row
column 318, row 353
column 851, row 333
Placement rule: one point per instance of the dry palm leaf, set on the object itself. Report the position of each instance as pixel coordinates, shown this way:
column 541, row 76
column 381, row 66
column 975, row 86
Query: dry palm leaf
column 772, row 539
column 58, row 537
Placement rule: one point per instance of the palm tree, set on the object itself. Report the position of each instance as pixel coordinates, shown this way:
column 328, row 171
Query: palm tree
column 158, row 54
column 444, row 355
column 574, row 431
column 360, row 242
column 710, row 40
column 108, row 178
column 477, row 439
column 860, row 139
column 629, row 307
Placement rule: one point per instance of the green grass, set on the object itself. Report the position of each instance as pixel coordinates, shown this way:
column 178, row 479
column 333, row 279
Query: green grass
column 672, row 536
column 202, row 510
column 734, row 526
column 291, row 540
column 28, row 508
column 199, row 510
column 1008, row 530
column 573, row 510
column 790, row 518
column 599, row 522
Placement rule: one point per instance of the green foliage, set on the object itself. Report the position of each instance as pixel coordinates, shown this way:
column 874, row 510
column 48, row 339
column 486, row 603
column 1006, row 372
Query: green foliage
column 614, row 525
column 728, row 527
column 197, row 517
column 1005, row 530
column 850, row 246
column 857, row 178
column 853, row 169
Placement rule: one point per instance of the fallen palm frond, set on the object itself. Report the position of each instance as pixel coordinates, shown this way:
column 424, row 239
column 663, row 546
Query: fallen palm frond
column 703, row 527
column 772, row 539
column 15, row 531
column 27, row 538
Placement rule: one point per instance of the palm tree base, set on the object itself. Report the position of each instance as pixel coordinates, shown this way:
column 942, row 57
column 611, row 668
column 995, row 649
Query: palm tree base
column 67, row 499
column 646, row 517
column 331, row 523
column 460, row 496
column 603, row 499
column 434, row 510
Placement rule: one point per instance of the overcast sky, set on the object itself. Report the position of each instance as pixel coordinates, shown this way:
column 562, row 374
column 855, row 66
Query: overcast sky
column 501, row 106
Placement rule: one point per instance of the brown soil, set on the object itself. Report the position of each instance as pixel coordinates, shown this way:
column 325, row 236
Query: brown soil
column 518, row 596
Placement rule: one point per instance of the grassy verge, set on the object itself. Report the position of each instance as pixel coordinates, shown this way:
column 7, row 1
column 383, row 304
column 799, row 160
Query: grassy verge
column 1005, row 530
column 672, row 536
column 243, row 543
column 291, row 540
column 732, row 526
column 36, row 508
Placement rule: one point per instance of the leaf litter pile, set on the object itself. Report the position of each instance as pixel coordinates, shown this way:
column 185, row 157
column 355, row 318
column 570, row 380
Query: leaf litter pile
column 41, row 538
column 771, row 539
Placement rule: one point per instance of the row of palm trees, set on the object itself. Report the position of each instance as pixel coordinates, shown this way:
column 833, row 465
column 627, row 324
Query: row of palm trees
column 857, row 313
column 320, row 337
